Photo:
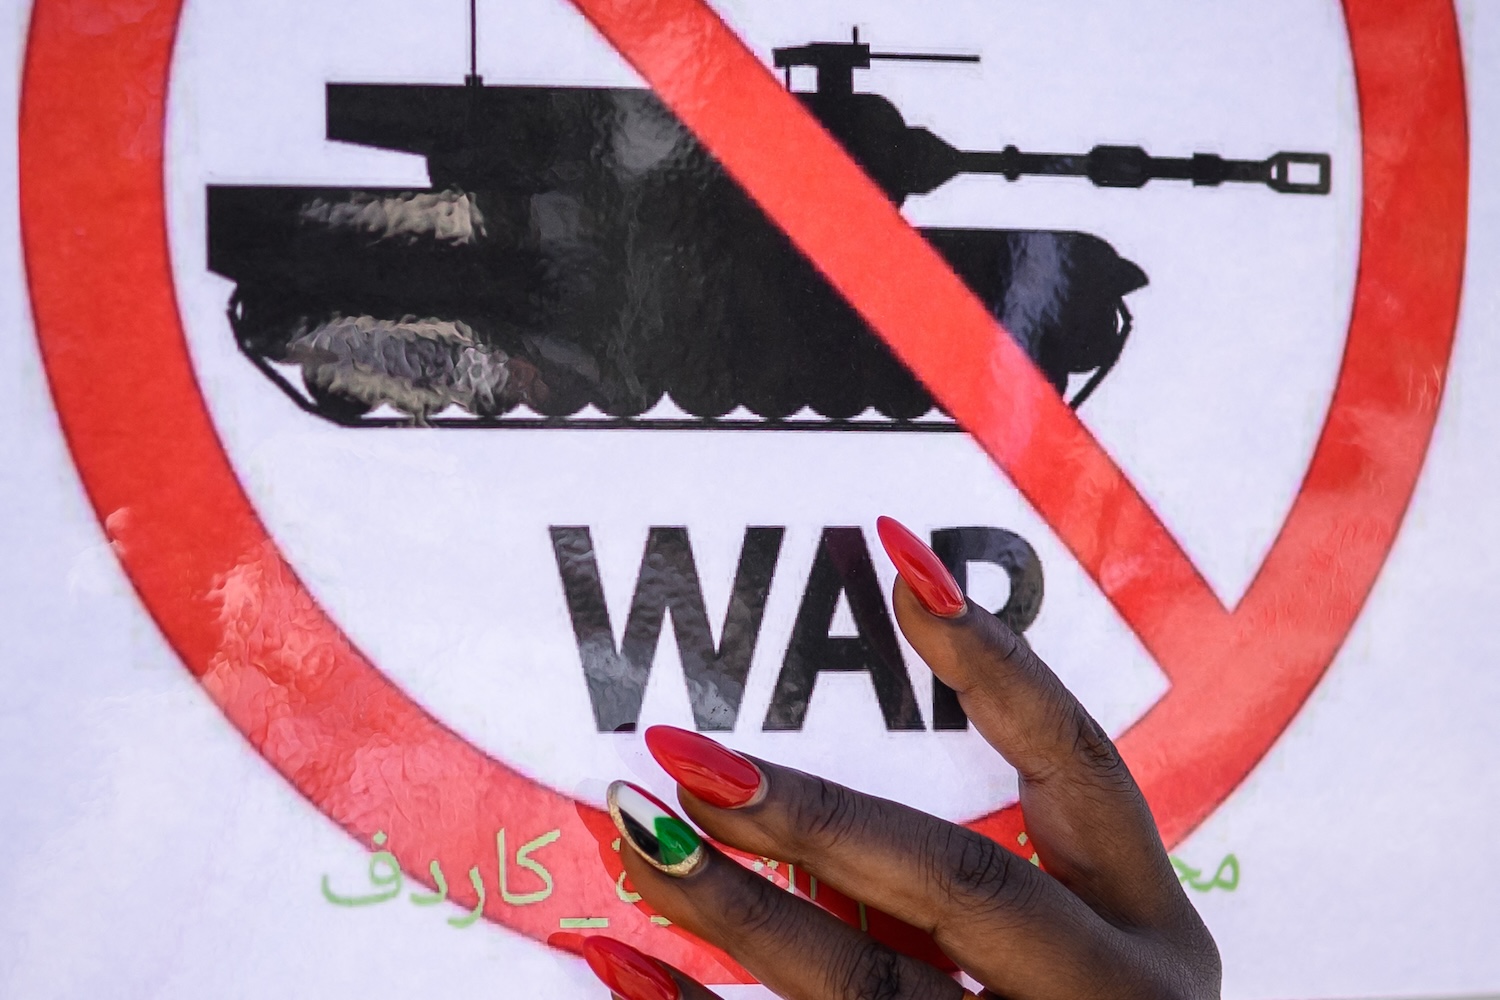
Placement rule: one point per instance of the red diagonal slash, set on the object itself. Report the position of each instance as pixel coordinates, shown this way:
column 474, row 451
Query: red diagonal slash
column 1248, row 670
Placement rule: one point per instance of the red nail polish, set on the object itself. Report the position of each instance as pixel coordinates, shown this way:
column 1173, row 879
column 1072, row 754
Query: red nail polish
column 922, row 570
column 715, row 774
column 627, row 972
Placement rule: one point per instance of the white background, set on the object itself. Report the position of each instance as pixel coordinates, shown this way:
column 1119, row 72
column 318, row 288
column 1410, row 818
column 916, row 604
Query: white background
column 1214, row 406
column 150, row 853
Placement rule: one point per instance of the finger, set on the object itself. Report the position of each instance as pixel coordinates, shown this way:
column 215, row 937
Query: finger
column 1001, row 919
column 797, row 949
column 1092, row 827
column 633, row 975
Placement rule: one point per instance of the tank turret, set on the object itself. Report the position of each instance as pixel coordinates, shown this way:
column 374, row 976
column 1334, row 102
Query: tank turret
column 907, row 159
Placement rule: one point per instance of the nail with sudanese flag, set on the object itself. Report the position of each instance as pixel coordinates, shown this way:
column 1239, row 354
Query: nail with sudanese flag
column 923, row 571
column 713, row 773
column 628, row 973
column 657, row 833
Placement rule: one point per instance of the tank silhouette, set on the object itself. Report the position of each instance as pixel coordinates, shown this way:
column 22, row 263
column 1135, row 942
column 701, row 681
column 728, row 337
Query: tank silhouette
column 580, row 259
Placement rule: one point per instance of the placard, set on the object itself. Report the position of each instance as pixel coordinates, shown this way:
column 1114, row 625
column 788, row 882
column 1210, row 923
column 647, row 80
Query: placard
column 462, row 391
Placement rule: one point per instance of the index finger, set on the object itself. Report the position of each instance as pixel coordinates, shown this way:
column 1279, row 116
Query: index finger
column 1085, row 813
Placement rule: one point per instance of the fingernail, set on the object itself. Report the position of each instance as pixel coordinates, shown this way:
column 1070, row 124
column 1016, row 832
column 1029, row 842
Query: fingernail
column 922, row 570
column 714, row 773
column 627, row 972
column 657, row 833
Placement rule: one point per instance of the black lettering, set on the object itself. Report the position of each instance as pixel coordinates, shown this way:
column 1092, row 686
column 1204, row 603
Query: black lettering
column 957, row 548
column 842, row 565
column 668, row 580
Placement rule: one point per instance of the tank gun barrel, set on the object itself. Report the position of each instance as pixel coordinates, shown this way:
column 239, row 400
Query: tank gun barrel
column 1132, row 167
column 906, row 160
column 938, row 57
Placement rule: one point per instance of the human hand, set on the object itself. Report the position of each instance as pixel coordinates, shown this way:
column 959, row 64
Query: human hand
column 1104, row 915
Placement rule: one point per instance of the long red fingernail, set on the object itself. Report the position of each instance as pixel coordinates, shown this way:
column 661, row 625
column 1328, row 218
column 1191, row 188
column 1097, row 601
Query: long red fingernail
column 631, row 974
column 922, row 570
column 714, row 773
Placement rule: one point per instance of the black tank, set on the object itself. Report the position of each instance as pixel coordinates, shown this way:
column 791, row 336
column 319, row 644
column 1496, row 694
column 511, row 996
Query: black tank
column 581, row 260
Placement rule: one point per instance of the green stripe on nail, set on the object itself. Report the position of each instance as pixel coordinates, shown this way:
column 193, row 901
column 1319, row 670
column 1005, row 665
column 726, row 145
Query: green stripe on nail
column 676, row 840
column 653, row 830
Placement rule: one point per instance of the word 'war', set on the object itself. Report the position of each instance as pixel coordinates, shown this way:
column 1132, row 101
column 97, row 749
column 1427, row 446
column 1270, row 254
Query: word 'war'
column 716, row 674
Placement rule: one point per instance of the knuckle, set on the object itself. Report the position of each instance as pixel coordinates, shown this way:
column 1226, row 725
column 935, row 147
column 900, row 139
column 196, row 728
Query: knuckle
column 1078, row 750
column 871, row 972
column 974, row 873
column 968, row 865
column 1014, row 647
column 826, row 815
column 1093, row 748
column 997, row 640
column 755, row 908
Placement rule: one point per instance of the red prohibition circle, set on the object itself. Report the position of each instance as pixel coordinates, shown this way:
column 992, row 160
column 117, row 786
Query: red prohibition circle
column 94, row 232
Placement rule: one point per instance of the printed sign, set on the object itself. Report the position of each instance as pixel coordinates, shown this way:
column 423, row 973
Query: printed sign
column 470, row 424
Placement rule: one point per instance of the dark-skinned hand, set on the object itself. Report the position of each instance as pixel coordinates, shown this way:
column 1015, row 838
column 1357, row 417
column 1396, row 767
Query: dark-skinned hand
column 1104, row 916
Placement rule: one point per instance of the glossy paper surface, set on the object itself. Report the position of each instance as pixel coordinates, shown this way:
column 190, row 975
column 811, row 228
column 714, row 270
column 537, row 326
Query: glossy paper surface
column 452, row 431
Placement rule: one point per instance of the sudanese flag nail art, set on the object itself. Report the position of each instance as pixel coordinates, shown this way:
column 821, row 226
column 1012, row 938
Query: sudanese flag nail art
column 657, row 833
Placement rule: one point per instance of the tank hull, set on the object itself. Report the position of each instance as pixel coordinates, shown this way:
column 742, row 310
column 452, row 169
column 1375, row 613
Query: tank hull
column 581, row 254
